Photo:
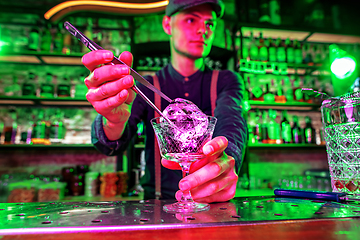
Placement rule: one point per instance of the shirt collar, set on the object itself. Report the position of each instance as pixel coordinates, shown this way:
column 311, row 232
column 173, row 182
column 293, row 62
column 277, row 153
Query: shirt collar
column 178, row 77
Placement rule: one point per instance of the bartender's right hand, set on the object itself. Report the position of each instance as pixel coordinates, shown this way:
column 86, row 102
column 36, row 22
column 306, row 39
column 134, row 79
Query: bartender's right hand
column 109, row 86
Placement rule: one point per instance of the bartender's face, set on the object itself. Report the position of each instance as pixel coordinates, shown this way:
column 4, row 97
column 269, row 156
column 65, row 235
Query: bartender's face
column 192, row 31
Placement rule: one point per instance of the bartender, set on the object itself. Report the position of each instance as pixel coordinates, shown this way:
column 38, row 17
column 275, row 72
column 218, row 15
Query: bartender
column 190, row 25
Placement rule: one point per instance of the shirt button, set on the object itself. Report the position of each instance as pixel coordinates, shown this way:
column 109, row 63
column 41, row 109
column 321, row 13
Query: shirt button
column 186, row 79
column 186, row 94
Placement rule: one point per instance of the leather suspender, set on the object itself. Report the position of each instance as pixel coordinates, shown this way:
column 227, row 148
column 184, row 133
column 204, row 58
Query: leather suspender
column 157, row 102
column 157, row 157
column 213, row 90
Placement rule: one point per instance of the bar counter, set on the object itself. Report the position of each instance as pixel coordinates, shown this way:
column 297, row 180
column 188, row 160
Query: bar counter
column 257, row 217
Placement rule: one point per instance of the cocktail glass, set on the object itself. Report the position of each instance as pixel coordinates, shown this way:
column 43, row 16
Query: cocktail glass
column 183, row 144
column 341, row 125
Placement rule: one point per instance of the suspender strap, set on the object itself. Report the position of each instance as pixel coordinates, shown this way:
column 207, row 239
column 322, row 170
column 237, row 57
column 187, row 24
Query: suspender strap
column 213, row 90
column 157, row 157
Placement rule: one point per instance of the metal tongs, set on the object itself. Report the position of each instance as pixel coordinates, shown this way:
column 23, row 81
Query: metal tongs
column 93, row 46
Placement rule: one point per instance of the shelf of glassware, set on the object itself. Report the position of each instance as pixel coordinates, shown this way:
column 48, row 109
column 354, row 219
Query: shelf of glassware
column 293, row 105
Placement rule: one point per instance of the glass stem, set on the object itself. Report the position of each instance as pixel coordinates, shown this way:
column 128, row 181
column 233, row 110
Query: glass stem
column 186, row 195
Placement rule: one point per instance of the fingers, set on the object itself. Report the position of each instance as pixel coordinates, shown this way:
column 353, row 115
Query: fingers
column 127, row 58
column 216, row 145
column 110, row 89
column 106, row 73
column 214, row 191
column 213, row 148
column 207, row 173
column 93, row 59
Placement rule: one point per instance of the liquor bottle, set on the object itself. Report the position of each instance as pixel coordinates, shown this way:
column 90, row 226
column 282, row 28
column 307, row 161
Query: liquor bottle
column 288, row 89
column 10, row 127
column 298, row 55
column 47, row 88
column 297, row 93
column 280, row 51
column 80, row 88
column 307, row 84
column 263, row 49
column 273, row 128
column 13, row 89
column 285, row 128
column 46, row 40
column 67, row 42
column 309, row 131
column 34, row 39
column 268, row 95
column 279, row 92
column 39, row 128
column 57, row 129
column 272, row 50
column 251, row 127
column 290, row 57
column 257, row 128
column 29, row 87
column 264, row 128
column 253, row 50
column 64, row 87
column 26, row 129
column 296, row 131
column 58, row 40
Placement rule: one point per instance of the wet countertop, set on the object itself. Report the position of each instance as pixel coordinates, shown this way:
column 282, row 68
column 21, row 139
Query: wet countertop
column 74, row 218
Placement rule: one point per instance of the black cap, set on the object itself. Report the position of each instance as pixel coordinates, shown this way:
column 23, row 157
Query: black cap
column 175, row 6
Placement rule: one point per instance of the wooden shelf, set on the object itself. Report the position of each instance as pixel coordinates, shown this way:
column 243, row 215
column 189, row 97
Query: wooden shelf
column 40, row 58
column 298, row 106
column 29, row 101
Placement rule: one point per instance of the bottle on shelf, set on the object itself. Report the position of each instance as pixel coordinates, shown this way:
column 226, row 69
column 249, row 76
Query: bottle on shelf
column 288, row 89
column 26, row 128
column 263, row 49
column 279, row 92
column 298, row 55
column 309, row 131
column 10, row 127
column 47, row 88
column 297, row 93
column 285, row 128
column 268, row 95
column 14, row 88
column 46, row 39
column 251, row 128
column 64, row 87
column 290, row 56
column 264, row 127
column 29, row 85
column 273, row 128
column 257, row 128
column 281, row 50
column 272, row 50
column 296, row 131
column 34, row 39
column 80, row 88
column 58, row 40
column 39, row 128
column 253, row 48
column 57, row 129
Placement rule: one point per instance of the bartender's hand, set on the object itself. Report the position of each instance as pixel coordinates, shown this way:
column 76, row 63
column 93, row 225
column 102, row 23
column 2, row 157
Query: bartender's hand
column 109, row 89
column 212, row 179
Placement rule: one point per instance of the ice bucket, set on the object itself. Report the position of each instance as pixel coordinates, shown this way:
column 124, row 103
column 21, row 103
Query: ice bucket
column 341, row 126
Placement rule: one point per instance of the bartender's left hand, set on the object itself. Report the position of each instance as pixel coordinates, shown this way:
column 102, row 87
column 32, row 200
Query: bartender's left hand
column 212, row 179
